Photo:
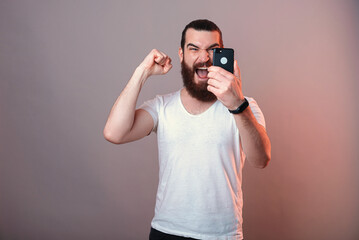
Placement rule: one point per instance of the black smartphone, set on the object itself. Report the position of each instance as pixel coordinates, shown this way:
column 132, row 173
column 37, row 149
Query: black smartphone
column 224, row 57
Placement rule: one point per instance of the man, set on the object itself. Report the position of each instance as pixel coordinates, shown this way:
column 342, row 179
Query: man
column 201, row 144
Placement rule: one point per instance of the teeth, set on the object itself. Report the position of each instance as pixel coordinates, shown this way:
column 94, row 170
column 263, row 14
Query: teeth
column 203, row 68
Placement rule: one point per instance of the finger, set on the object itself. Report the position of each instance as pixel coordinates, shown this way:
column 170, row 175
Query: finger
column 237, row 71
column 214, row 69
column 215, row 75
column 160, row 59
column 214, row 82
column 214, row 72
column 169, row 60
column 167, row 65
column 213, row 90
column 220, row 77
column 218, row 71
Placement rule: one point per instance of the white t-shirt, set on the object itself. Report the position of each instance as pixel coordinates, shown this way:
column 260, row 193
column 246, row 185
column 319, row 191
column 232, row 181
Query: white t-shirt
column 200, row 177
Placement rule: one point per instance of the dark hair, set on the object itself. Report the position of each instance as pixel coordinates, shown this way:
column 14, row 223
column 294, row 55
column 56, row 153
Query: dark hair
column 201, row 25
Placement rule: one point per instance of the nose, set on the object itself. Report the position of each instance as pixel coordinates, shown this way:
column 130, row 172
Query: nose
column 204, row 55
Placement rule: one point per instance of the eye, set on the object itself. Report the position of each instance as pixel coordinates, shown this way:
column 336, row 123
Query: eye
column 193, row 49
column 210, row 51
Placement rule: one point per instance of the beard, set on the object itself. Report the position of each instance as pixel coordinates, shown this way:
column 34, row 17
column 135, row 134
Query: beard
column 196, row 90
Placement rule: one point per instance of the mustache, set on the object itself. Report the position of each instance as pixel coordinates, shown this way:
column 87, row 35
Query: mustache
column 203, row 64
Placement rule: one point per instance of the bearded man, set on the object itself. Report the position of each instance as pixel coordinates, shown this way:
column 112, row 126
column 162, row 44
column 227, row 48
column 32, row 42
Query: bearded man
column 202, row 145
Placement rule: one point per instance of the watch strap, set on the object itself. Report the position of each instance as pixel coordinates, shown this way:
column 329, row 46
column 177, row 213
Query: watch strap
column 241, row 107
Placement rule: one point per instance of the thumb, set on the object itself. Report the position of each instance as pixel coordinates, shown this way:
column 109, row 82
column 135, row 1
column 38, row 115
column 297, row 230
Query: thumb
column 237, row 71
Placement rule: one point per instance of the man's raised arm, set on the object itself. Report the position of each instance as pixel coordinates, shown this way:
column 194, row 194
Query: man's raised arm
column 125, row 123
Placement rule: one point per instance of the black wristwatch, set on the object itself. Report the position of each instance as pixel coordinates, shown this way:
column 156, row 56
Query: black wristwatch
column 241, row 107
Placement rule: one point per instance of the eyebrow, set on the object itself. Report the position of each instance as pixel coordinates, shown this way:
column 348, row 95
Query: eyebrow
column 212, row 46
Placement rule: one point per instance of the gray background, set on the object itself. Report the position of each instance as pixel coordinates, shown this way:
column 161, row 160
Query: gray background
column 63, row 64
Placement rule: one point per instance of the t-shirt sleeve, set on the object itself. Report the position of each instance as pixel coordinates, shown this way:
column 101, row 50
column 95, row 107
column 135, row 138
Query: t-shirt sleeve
column 256, row 111
column 152, row 107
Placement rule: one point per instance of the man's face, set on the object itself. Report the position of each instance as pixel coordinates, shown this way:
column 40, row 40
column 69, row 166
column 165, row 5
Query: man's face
column 196, row 57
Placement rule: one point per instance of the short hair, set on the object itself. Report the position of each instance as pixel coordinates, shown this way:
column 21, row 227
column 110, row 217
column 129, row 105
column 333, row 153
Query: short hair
column 201, row 25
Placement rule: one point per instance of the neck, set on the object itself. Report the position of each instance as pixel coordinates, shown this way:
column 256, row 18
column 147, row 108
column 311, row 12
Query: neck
column 193, row 105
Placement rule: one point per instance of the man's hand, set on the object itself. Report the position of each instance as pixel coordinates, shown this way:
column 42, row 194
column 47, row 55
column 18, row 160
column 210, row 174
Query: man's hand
column 228, row 89
column 226, row 86
column 156, row 63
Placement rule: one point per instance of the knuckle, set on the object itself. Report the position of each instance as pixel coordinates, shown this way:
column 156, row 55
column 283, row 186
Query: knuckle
column 227, row 86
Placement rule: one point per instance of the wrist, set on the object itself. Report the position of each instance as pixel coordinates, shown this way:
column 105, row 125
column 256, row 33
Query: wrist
column 141, row 74
column 236, row 103
column 243, row 104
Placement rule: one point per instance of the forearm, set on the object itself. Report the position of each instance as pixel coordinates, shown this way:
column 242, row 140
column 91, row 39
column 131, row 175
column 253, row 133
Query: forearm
column 121, row 117
column 255, row 142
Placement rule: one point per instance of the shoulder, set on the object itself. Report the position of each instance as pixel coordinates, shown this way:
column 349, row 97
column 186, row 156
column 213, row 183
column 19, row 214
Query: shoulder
column 251, row 100
column 164, row 99
column 160, row 100
column 169, row 96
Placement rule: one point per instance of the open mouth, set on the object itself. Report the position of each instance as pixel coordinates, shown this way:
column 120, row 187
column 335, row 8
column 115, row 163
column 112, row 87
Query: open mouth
column 202, row 72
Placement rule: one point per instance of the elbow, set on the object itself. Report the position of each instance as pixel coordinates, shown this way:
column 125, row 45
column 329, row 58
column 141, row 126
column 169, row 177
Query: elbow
column 261, row 162
column 265, row 161
column 109, row 136
column 265, row 158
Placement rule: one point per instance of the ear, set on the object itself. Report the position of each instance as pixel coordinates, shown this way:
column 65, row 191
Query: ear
column 180, row 54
